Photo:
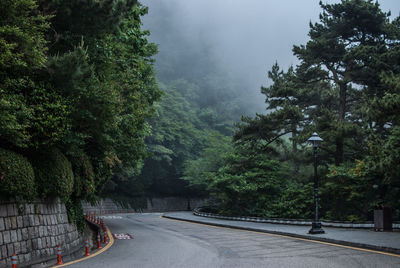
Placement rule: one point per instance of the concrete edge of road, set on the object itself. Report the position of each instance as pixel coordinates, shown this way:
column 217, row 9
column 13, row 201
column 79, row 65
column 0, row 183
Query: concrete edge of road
column 102, row 250
column 354, row 245
column 325, row 223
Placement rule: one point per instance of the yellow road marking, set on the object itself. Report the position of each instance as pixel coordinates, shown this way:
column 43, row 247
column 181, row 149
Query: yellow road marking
column 292, row 237
column 110, row 243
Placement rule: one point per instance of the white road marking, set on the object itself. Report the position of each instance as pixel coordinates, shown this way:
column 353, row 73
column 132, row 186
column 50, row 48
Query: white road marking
column 111, row 217
column 122, row 236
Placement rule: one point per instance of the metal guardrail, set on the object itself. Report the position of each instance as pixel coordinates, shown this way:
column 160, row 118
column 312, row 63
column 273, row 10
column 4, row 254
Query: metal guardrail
column 365, row 225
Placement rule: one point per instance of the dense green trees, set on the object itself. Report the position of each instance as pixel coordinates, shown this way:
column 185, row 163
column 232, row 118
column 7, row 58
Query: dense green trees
column 349, row 48
column 198, row 171
column 200, row 103
column 77, row 89
column 23, row 56
column 251, row 183
column 345, row 88
column 180, row 130
column 108, row 79
column 77, row 85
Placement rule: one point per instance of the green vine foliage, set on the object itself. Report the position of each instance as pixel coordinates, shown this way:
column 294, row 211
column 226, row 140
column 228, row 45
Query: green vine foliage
column 53, row 173
column 75, row 213
column 84, row 184
column 16, row 176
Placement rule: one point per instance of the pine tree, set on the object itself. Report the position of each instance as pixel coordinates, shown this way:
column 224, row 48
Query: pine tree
column 341, row 44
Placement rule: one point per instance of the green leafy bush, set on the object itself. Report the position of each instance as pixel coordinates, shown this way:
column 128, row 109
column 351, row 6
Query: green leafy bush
column 250, row 183
column 53, row 173
column 296, row 201
column 17, row 178
column 83, row 176
column 347, row 193
column 75, row 213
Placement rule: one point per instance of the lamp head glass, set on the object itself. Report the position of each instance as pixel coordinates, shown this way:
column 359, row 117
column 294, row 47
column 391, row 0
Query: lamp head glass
column 315, row 139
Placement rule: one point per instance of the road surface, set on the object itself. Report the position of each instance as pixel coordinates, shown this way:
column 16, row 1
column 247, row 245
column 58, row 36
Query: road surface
column 160, row 242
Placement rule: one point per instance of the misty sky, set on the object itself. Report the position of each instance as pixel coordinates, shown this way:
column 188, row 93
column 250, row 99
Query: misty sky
column 245, row 37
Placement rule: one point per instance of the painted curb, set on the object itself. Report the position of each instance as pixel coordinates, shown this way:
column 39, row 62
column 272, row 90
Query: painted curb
column 106, row 247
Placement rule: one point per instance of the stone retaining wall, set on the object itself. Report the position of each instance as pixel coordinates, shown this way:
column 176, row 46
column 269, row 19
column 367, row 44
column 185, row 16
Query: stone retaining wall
column 153, row 205
column 33, row 231
column 173, row 204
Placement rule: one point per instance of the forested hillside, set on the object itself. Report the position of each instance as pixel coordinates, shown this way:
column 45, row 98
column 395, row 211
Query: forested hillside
column 77, row 86
column 83, row 115
column 346, row 88
column 201, row 101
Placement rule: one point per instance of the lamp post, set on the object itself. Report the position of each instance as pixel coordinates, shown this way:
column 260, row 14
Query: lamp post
column 316, row 227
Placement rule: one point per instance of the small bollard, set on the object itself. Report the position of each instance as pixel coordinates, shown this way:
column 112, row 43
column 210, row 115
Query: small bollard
column 98, row 241
column 59, row 260
column 14, row 261
column 87, row 253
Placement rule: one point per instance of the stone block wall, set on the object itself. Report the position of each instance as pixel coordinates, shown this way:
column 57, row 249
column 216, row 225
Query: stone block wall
column 173, row 204
column 33, row 231
column 153, row 205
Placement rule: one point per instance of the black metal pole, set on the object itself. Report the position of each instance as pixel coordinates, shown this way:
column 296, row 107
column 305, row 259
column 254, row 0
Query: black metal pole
column 316, row 218
column 316, row 227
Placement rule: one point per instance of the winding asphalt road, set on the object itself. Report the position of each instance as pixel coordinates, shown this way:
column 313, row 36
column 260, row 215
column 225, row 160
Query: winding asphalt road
column 160, row 242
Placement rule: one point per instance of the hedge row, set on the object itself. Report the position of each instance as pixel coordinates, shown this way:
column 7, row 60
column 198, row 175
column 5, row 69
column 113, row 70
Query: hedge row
column 46, row 173
column 16, row 176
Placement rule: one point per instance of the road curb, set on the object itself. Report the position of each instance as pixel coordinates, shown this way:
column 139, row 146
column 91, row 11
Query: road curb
column 95, row 253
column 303, row 222
column 377, row 249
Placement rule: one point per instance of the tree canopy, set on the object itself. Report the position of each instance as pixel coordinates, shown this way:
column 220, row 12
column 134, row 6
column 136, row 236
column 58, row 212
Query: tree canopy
column 77, row 85
column 344, row 88
column 78, row 88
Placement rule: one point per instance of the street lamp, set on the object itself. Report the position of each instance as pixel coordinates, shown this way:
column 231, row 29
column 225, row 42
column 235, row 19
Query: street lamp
column 316, row 227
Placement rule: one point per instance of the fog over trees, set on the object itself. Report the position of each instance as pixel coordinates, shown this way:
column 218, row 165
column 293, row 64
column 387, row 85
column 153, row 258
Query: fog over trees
column 243, row 38
column 202, row 98
column 328, row 66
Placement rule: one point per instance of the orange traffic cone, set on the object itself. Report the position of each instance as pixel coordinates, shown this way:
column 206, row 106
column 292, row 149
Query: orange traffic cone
column 98, row 241
column 87, row 253
column 14, row 261
column 59, row 260
column 105, row 237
